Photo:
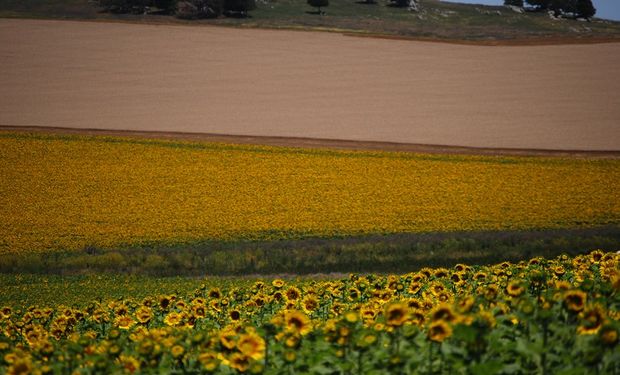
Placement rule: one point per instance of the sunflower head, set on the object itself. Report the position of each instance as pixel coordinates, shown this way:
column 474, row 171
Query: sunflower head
column 575, row 300
column 239, row 362
column 396, row 314
column 443, row 312
column 514, row 289
column 277, row 283
column 297, row 322
column 210, row 362
column 251, row 345
column 439, row 331
column 609, row 335
column 309, row 304
column 177, row 351
column 591, row 320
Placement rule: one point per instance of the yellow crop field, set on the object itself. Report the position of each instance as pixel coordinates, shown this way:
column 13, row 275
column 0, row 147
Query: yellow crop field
column 68, row 192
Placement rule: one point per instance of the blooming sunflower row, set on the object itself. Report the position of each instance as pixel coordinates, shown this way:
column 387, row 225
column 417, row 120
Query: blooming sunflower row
column 536, row 316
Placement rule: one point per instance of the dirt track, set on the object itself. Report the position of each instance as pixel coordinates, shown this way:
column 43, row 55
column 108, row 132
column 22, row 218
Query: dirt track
column 308, row 85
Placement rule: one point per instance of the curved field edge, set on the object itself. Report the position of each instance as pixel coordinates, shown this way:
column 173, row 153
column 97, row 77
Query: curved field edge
column 396, row 253
column 63, row 193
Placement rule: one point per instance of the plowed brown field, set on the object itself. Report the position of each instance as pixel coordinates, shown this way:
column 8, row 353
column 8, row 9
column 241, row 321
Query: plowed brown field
column 308, row 85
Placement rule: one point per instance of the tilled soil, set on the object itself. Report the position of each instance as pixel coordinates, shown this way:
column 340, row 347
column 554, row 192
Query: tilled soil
column 302, row 88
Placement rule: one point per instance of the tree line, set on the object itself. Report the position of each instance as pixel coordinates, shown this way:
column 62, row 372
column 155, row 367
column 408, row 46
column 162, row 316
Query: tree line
column 573, row 8
column 188, row 9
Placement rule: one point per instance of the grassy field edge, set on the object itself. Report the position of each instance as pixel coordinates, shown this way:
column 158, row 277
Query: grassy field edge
column 393, row 253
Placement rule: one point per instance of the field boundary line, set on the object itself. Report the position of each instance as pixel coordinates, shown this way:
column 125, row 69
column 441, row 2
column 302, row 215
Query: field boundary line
column 316, row 143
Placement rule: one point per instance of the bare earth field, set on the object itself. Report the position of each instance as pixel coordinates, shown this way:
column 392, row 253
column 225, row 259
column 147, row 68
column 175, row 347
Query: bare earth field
column 308, row 85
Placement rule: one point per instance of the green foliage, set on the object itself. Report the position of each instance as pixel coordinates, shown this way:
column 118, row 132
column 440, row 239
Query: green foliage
column 381, row 253
column 399, row 3
column 125, row 6
column 238, row 7
column 516, row 3
column 578, row 8
column 318, row 4
column 585, row 8
column 195, row 9
column 543, row 316
column 541, row 4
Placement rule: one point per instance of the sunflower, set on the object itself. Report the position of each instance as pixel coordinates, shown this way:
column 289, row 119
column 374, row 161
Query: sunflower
column 124, row 322
column 144, row 314
column 173, row 319
column 609, row 335
column 490, row 292
column 297, row 321
column 234, row 315
column 514, row 289
column 437, row 288
column 351, row 316
column 575, row 300
column 353, row 294
column 251, row 345
column 129, row 364
column 396, row 314
column 21, row 366
column 293, row 293
column 592, row 318
column 414, row 287
column 559, row 270
column 443, row 312
column 309, row 304
column 239, row 362
column 164, row 302
column 177, row 351
column 215, row 293
column 465, row 304
column 460, row 268
column 290, row 356
column 441, row 273
column 277, row 283
column 596, row 256
column 439, row 331
column 210, row 361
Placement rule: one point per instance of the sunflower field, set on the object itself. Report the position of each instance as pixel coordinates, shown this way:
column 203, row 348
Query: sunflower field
column 558, row 316
column 67, row 193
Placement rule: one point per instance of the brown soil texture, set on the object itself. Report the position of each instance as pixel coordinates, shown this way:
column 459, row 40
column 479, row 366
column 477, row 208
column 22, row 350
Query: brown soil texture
column 308, row 85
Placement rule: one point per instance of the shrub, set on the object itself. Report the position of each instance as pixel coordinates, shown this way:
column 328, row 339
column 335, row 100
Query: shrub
column 194, row 9
column 400, row 3
column 239, row 7
column 318, row 4
column 125, row 6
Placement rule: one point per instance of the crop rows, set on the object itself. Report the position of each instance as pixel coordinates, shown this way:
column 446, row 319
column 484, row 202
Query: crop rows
column 539, row 316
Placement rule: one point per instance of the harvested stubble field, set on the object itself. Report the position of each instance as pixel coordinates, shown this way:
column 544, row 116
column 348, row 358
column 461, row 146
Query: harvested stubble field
column 69, row 192
column 313, row 85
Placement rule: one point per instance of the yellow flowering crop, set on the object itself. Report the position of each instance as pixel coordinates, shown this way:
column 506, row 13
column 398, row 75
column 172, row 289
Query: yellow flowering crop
column 68, row 192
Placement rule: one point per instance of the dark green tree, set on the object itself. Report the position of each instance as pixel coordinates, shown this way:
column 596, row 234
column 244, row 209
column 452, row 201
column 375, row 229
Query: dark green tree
column 167, row 6
column 585, row 8
column 318, row 4
column 194, row 9
column 238, row 7
column 540, row 4
column 124, row 6
column 516, row 3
